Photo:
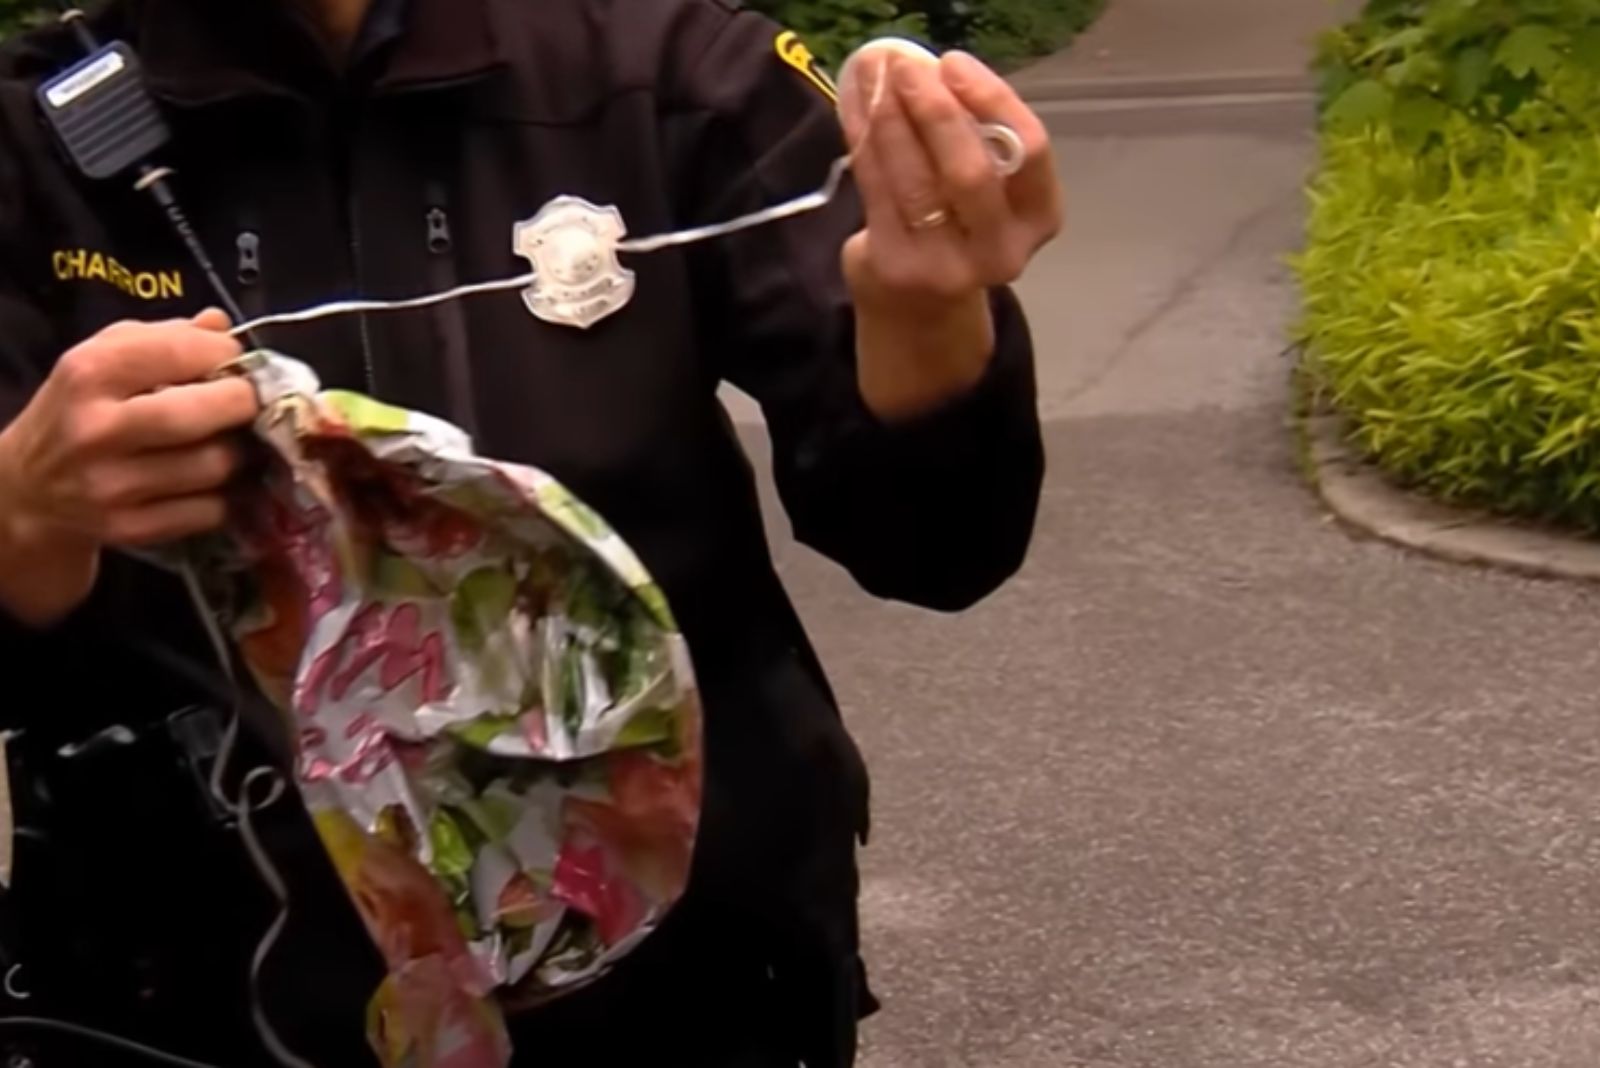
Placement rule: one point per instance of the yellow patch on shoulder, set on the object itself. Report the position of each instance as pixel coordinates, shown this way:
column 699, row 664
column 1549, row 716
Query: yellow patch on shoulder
column 793, row 51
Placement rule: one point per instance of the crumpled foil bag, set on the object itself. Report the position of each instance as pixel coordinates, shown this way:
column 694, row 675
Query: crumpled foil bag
column 497, row 730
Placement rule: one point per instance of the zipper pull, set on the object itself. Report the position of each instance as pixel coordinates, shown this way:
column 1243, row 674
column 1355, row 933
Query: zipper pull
column 439, row 241
column 249, row 245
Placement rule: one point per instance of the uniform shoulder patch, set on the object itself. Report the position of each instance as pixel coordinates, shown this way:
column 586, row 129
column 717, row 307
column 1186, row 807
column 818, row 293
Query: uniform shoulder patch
column 793, row 51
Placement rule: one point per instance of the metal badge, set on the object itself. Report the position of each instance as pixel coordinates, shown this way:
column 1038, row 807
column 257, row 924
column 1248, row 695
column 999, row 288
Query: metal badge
column 572, row 245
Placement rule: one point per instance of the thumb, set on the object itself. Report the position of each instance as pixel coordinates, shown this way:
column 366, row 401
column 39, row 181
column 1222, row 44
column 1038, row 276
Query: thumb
column 213, row 319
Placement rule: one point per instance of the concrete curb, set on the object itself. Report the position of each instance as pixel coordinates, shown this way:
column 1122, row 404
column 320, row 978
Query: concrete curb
column 1040, row 88
column 1245, row 102
column 1259, row 113
column 1362, row 498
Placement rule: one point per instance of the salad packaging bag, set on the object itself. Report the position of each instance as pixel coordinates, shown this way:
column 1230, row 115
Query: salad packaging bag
column 496, row 725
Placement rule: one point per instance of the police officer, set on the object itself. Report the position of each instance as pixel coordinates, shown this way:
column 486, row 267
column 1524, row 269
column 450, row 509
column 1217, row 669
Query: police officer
column 329, row 148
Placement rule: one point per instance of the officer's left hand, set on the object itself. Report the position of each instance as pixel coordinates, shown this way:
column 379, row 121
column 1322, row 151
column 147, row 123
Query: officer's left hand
column 942, row 224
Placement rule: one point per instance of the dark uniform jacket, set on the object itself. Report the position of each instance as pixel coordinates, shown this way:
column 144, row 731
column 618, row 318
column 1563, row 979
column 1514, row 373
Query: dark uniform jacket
column 401, row 172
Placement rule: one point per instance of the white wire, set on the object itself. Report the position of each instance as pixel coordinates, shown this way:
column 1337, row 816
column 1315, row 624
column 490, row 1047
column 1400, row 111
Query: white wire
column 242, row 810
column 787, row 210
column 1005, row 147
column 800, row 205
column 103, row 1038
column 274, row 880
column 351, row 307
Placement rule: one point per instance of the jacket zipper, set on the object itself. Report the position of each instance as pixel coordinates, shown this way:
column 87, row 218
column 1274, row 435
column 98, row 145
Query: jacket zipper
column 349, row 127
column 248, row 244
column 367, row 362
column 449, row 319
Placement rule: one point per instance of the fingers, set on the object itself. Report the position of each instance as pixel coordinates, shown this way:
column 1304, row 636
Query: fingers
column 872, row 181
column 129, row 359
column 987, row 96
column 855, row 99
column 213, row 319
column 965, row 171
column 165, row 521
column 150, row 477
column 185, row 414
column 173, row 355
column 897, row 143
column 877, row 198
column 920, row 156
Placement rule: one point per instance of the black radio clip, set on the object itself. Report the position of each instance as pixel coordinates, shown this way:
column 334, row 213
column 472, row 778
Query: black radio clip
column 108, row 124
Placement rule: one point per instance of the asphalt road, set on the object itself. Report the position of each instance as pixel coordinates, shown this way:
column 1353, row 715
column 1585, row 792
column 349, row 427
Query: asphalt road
column 1211, row 784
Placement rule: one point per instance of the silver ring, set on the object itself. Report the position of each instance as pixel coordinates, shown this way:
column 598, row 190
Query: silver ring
column 932, row 221
column 1005, row 148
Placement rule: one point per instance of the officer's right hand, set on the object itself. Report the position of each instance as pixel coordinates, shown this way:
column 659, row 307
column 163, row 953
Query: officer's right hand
column 122, row 446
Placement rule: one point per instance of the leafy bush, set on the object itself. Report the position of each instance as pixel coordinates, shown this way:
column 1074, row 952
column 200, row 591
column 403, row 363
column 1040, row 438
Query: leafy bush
column 1001, row 31
column 1451, row 311
column 1452, row 273
column 1529, row 66
column 1005, row 32
column 16, row 14
column 832, row 28
column 950, row 22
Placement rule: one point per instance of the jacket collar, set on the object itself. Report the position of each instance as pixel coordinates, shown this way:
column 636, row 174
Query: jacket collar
column 204, row 51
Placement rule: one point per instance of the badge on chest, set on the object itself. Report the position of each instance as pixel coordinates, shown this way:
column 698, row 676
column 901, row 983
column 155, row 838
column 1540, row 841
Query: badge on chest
column 572, row 245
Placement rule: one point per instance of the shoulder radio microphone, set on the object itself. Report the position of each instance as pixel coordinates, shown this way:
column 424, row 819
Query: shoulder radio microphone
column 108, row 125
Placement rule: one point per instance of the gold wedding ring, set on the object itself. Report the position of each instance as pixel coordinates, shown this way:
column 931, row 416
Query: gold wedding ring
column 932, row 221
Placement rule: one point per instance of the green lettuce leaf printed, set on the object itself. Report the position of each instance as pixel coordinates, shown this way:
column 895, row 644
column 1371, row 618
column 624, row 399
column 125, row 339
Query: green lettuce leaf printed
column 596, row 602
column 366, row 415
column 583, row 602
column 466, row 914
column 656, row 601
column 452, row 855
column 457, row 840
column 477, row 499
column 481, row 604
column 648, row 728
column 562, row 506
column 545, row 569
column 573, row 696
column 494, row 815
column 396, row 577
column 519, row 940
column 644, row 664
column 481, row 730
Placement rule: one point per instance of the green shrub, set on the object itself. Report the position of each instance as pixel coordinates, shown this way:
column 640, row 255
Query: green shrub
column 1452, row 273
column 1007, row 32
column 832, row 28
column 1531, row 66
column 950, row 22
column 17, row 14
column 1003, row 32
column 1452, row 311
